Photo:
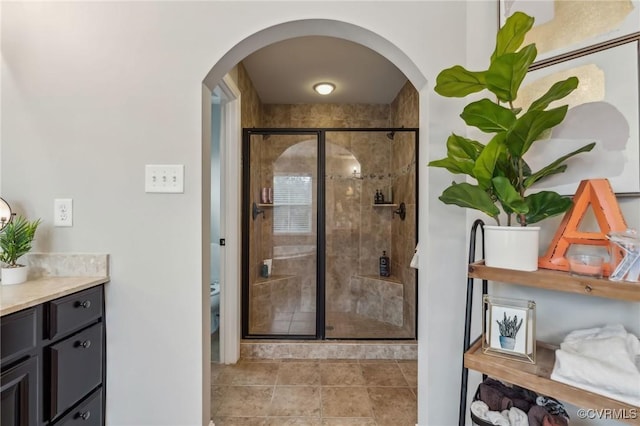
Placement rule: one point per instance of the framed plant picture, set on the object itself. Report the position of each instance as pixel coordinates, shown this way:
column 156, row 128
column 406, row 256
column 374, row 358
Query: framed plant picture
column 509, row 328
column 603, row 109
column 563, row 26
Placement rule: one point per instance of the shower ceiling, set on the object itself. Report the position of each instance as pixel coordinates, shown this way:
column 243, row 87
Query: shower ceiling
column 285, row 72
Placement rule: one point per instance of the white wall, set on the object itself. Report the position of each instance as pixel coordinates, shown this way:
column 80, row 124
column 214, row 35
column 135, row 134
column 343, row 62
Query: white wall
column 98, row 90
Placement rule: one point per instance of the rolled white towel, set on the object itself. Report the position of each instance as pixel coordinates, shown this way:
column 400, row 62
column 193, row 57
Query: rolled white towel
column 480, row 409
column 497, row 418
column 511, row 417
column 517, row 417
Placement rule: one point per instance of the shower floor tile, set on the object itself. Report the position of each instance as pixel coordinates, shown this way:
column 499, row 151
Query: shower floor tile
column 340, row 325
column 314, row 392
column 346, row 325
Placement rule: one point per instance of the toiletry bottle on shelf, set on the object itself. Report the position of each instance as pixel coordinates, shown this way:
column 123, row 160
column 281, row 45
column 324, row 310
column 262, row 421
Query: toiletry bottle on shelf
column 376, row 198
column 385, row 270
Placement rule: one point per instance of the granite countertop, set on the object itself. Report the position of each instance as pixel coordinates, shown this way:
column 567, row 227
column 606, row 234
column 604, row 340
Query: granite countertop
column 16, row 297
column 53, row 275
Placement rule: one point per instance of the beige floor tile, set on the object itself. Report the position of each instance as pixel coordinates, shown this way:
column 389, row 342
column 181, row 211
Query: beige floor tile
column 299, row 373
column 348, row 422
column 249, row 373
column 393, row 406
column 397, row 422
column 241, row 401
column 216, row 369
column 283, row 316
column 293, row 421
column 341, row 374
column 240, row 421
column 345, row 402
column 410, row 371
column 314, row 392
column 280, row 327
column 383, row 374
column 347, row 325
column 302, row 327
column 338, row 361
column 216, row 398
column 304, row 316
column 296, row 401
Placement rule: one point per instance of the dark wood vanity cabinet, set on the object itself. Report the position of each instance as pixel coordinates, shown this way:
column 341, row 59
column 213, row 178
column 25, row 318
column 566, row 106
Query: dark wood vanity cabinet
column 53, row 362
column 20, row 371
column 19, row 394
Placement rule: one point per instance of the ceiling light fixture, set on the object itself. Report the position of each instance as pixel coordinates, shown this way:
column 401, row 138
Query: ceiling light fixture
column 324, row 88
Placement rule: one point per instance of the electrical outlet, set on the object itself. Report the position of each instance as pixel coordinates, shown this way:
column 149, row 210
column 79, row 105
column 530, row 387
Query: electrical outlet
column 168, row 178
column 63, row 212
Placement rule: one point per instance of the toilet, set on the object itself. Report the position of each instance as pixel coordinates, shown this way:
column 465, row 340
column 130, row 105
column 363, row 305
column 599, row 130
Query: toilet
column 215, row 306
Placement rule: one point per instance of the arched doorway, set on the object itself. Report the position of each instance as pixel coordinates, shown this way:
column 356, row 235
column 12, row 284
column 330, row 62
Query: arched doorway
column 230, row 229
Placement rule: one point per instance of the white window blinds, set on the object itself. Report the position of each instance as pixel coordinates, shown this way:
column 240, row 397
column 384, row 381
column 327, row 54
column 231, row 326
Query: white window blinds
column 292, row 203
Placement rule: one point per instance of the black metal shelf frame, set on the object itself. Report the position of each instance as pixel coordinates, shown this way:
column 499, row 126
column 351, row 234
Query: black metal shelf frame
column 478, row 224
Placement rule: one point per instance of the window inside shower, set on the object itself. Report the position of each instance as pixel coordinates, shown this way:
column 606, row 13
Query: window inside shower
column 315, row 229
column 294, row 204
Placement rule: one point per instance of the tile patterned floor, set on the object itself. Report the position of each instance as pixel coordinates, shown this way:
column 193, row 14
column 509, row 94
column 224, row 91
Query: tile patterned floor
column 314, row 393
column 340, row 325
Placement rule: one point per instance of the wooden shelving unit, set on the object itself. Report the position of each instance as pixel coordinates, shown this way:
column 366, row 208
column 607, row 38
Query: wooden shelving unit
column 558, row 281
column 537, row 377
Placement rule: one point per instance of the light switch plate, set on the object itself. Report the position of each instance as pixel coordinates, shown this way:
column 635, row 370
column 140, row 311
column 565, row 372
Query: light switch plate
column 164, row 178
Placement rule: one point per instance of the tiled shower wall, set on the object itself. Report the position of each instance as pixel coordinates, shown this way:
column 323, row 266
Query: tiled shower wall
column 251, row 116
column 357, row 232
column 404, row 113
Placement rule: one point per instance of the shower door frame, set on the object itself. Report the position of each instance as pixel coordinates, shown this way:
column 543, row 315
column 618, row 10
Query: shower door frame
column 320, row 134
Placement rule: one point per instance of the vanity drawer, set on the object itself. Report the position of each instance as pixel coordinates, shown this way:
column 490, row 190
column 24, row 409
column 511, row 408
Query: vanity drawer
column 87, row 413
column 18, row 335
column 75, row 368
column 72, row 312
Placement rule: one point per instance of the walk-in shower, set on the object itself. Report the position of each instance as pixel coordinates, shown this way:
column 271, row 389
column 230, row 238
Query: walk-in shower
column 320, row 207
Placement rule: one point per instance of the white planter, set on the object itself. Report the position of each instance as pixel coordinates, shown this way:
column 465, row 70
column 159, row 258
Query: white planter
column 14, row 275
column 510, row 247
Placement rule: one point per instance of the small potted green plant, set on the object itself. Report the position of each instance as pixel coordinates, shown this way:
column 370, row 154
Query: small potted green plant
column 501, row 173
column 15, row 241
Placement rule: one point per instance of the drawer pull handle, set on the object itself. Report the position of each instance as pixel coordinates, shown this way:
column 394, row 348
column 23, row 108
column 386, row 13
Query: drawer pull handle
column 86, row 304
column 85, row 415
column 84, row 344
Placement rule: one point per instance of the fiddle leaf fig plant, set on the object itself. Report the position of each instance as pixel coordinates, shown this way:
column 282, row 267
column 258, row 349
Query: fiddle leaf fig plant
column 16, row 239
column 499, row 168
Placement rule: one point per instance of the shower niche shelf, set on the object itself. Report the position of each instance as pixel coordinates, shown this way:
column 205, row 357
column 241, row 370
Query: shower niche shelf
column 265, row 204
column 271, row 278
column 384, row 205
column 390, row 279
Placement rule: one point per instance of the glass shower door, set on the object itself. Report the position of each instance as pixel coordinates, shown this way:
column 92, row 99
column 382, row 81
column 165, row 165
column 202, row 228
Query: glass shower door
column 281, row 242
column 361, row 167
